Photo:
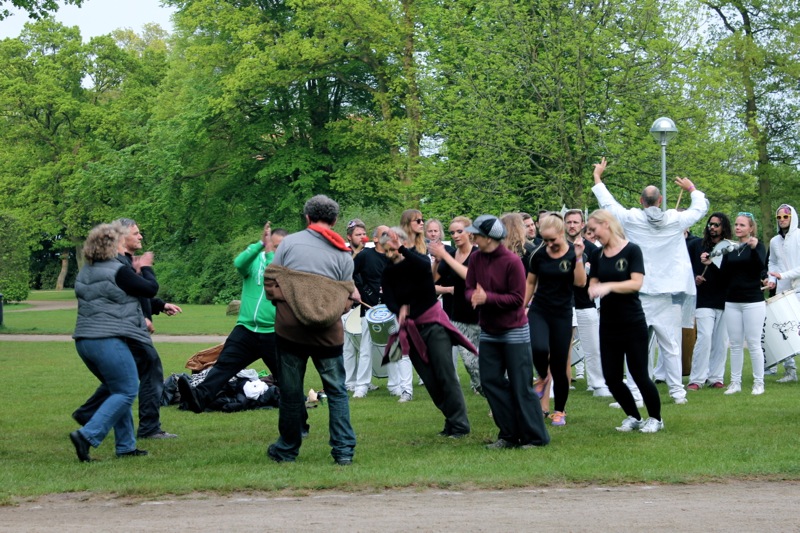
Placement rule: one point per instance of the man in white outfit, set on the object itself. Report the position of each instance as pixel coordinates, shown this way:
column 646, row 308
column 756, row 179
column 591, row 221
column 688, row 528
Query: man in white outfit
column 668, row 273
column 784, row 267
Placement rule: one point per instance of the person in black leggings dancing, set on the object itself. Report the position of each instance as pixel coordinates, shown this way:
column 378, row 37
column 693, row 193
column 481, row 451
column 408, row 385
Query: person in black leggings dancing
column 552, row 272
column 616, row 276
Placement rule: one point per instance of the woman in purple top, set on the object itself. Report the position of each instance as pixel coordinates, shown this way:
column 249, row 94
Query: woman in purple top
column 495, row 285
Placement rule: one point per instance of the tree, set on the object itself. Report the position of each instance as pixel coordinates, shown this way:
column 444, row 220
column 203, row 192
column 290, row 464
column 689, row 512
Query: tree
column 14, row 272
column 756, row 45
column 526, row 97
column 36, row 8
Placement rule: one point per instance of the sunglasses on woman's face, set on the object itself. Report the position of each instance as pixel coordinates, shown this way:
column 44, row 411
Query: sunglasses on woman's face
column 419, row 220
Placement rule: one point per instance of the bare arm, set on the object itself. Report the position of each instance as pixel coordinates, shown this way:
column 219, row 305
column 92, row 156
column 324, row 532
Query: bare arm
column 530, row 288
column 598, row 289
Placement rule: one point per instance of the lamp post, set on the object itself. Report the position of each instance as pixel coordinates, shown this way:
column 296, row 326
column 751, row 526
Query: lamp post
column 663, row 130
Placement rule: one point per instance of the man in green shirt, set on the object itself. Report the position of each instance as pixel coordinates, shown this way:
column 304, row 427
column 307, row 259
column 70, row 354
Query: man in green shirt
column 253, row 337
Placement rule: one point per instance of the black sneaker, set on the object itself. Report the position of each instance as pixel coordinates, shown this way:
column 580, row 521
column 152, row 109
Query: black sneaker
column 81, row 446
column 344, row 461
column 133, row 453
column 500, row 444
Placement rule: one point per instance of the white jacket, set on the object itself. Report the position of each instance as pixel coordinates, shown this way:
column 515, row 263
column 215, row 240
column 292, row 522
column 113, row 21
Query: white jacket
column 784, row 257
column 659, row 234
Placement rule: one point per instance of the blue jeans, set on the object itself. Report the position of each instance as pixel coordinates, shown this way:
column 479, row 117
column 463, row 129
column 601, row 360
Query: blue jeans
column 292, row 408
column 110, row 360
column 151, row 387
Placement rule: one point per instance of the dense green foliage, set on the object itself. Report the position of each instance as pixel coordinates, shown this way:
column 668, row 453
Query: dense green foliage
column 465, row 107
column 14, row 271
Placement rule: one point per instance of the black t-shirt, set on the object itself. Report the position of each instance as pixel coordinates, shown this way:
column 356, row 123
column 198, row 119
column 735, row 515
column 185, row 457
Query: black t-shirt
column 555, row 280
column 582, row 300
column 710, row 293
column 614, row 307
column 460, row 309
column 368, row 267
column 742, row 271
column 409, row 282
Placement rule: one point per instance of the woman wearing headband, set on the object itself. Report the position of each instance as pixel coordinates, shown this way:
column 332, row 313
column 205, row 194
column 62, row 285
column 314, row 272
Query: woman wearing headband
column 553, row 270
column 745, row 308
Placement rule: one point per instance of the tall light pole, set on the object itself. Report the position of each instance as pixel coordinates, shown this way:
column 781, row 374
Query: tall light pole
column 663, row 130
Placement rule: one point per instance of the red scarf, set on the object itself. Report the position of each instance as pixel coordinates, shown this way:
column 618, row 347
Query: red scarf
column 331, row 236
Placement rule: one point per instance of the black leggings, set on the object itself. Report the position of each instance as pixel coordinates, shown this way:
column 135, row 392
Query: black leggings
column 550, row 339
column 621, row 343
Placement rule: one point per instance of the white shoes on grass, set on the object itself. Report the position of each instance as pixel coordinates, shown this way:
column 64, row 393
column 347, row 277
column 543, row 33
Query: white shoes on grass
column 651, row 425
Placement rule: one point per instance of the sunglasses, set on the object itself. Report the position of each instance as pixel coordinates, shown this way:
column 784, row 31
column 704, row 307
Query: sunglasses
column 457, row 232
column 714, row 224
column 419, row 220
column 783, row 217
column 746, row 214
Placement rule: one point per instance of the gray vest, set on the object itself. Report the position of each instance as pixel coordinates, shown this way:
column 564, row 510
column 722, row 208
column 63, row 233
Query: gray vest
column 105, row 310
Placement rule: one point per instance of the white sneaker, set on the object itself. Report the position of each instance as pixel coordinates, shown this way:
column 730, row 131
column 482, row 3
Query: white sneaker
column 372, row 387
column 360, row 393
column 405, row 397
column 651, row 425
column 788, row 377
column 602, row 393
column 681, row 400
column 758, row 389
column 616, row 405
column 733, row 388
column 629, row 424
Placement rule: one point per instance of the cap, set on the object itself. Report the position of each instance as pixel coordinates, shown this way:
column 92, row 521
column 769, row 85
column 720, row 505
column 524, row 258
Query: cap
column 488, row 226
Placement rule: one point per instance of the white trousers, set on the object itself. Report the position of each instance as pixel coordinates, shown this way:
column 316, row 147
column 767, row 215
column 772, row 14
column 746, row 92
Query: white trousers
column 745, row 322
column 401, row 376
column 350, row 354
column 663, row 315
column 589, row 334
column 710, row 348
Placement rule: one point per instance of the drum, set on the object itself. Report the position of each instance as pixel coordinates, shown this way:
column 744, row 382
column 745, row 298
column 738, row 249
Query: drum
column 382, row 323
column 577, row 352
column 781, row 336
column 352, row 326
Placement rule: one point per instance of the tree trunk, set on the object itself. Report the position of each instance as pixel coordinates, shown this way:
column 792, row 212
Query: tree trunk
column 62, row 276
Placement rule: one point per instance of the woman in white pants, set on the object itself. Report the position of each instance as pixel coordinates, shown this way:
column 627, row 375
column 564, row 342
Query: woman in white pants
column 745, row 307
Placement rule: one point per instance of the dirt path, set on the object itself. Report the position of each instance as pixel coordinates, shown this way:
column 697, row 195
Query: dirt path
column 735, row 506
column 36, row 305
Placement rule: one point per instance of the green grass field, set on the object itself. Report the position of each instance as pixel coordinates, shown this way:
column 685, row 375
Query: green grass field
column 713, row 438
column 66, row 295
